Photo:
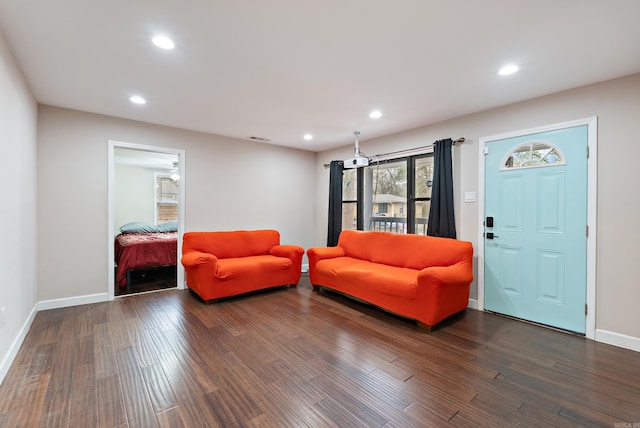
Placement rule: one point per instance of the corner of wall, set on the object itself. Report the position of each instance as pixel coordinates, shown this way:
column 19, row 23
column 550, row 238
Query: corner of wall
column 8, row 358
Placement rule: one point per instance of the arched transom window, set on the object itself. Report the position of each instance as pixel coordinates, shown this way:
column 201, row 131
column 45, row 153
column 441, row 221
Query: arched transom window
column 533, row 154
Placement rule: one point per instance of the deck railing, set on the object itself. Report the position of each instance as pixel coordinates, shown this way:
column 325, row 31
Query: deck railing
column 397, row 225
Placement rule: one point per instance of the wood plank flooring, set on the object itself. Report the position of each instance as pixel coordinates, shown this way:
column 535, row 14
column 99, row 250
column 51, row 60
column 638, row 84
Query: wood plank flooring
column 297, row 358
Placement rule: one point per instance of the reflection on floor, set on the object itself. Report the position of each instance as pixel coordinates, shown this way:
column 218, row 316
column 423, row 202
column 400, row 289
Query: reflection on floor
column 149, row 280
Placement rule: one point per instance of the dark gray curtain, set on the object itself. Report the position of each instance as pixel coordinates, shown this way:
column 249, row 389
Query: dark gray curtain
column 441, row 218
column 335, row 203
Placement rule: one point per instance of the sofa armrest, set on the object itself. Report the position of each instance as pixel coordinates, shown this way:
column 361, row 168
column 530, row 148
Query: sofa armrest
column 316, row 254
column 195, row 258
column 443, row 291
column 289, row 251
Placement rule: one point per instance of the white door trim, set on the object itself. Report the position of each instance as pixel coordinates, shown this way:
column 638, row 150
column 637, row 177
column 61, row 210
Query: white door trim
column 111, row 204
column 592, row 190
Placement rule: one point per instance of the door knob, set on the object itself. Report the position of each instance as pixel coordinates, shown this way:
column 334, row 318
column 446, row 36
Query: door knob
column 490, row 235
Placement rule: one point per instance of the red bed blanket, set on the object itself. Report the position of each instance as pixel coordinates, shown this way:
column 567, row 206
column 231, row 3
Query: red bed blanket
column 144, row 250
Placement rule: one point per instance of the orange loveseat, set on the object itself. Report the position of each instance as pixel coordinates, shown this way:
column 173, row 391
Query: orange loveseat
column 222, row 264
column 419, row 277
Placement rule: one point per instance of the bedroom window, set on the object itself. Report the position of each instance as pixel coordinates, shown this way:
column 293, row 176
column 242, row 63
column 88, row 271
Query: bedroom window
column 166, row 198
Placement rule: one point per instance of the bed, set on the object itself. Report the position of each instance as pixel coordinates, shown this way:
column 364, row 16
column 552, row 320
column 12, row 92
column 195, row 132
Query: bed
column 142, row 246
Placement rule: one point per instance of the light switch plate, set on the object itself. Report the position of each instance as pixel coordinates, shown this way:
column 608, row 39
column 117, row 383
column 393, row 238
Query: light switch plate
column 469, row 196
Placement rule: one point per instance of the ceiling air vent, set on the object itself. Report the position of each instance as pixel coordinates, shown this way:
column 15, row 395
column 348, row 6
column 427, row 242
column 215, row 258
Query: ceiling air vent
column 264, row 140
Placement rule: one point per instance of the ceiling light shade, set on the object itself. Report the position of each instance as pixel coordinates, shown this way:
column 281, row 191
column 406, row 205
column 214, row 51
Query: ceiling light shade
column 375, row 114
column 308, row 137
column 136, row 99
column 163, row 42
column 508, row 69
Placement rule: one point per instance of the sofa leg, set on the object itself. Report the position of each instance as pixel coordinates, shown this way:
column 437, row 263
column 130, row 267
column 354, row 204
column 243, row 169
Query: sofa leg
column 423, row 326
column 293, row 285
column 197, row 296
column 316, row 287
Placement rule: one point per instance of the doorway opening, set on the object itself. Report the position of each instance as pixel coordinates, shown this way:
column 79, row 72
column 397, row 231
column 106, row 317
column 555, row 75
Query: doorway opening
column 145, row 218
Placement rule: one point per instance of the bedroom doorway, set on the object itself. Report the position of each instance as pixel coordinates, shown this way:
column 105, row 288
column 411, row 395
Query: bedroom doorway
column 146, row 199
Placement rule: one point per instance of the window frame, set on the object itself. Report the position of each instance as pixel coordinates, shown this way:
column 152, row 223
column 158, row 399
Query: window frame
column 507, row 163
column 411, row 198
column 156, row 202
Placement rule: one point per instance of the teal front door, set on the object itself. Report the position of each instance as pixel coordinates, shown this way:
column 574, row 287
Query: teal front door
column 535, row 227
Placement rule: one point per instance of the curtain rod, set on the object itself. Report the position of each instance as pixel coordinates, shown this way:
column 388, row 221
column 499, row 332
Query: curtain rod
column 454, row 142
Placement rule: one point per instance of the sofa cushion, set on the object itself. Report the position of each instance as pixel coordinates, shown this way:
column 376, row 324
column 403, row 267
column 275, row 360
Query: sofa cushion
column 231, row 268
column 409, row 251
column 353, row 275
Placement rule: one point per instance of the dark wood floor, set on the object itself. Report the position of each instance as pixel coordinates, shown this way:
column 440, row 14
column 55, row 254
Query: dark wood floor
column 296, row 358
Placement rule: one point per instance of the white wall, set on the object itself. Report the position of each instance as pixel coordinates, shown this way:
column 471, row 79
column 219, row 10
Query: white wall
column 230, row 184
column 18, row 119
column 616, row 103
column 134, row 195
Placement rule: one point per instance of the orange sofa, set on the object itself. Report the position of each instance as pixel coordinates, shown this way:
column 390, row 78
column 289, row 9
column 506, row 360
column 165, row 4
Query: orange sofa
column 222, row 264
column 419, row 277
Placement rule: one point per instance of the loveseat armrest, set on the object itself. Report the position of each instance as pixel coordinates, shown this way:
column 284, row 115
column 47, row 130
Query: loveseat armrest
column 195, row 258
column 293, row 253
column 442, row 291
column 200, row 268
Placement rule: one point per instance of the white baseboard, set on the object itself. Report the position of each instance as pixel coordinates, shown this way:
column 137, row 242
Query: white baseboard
column 473, row 304
column 43, row 305
column 305, row 268
column 617, row 339
column 17, row 342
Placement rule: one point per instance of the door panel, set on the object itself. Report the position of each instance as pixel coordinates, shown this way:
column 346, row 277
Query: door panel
column 511, row 211
column 551, row 203
column 511, row 281
column 535, row 263
column 551, row 284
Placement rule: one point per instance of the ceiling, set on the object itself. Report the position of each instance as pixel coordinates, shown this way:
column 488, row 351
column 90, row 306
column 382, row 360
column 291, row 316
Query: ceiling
column 278, row 69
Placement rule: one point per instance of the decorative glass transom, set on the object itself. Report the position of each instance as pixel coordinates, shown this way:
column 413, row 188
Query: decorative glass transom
column 533, row 154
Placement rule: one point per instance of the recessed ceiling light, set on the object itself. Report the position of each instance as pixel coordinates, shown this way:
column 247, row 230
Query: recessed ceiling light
column 308, row 137
column 508, row 69
column 137, row 99
column 163, row 42
column 375, row 114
